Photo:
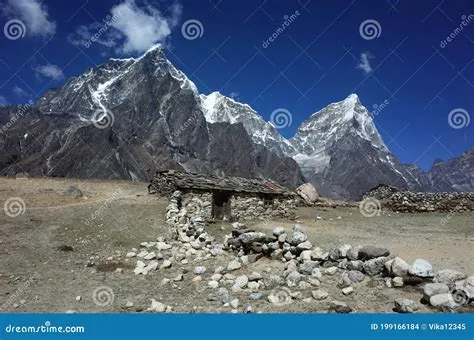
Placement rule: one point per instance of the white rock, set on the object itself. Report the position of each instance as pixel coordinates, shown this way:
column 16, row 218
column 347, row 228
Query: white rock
column 166, row 264
column 234, row 265
column 213, row 284
column 131, row 254
column 397, row 282
column 278, row 231
column 78, row 298
column 200, row 270
column 234, row 303
column 320, row 294
column 330, row 271
column 149, row 256
column 421, row 268
column 157, row 306
column 347, row 290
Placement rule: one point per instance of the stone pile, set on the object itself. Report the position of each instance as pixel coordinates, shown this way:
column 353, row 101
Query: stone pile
column 307, row 265
column 411, row 202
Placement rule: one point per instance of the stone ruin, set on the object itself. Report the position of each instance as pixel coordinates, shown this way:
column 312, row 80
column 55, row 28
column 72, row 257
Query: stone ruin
column 394, row 199
column 224, row 198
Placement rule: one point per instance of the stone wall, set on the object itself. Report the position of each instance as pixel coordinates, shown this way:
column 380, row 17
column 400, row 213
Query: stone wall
column 243, row 207
column 406, row 201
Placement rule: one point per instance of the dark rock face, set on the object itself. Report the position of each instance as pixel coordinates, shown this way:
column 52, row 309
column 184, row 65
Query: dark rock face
column 127, row 118
column 457, row 174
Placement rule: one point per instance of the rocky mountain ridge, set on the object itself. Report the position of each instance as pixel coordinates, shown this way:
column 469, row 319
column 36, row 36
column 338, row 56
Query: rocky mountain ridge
column 129, row 117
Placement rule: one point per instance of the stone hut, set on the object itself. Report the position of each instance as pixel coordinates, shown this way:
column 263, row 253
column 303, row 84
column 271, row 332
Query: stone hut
column 225, row 198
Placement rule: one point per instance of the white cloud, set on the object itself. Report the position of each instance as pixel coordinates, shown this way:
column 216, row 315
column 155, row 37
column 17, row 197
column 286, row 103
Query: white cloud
column 20, row 92
column 34, row 14
column 50, row 71
column 364, row 64
column 130, row 28
column 3, row 101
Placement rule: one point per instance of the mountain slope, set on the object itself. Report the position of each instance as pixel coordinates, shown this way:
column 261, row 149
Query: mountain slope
column 457, row 174
column 341, row 152
column 125, row 119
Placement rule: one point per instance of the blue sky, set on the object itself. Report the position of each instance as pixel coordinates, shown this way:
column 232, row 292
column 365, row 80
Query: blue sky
column 322, row 56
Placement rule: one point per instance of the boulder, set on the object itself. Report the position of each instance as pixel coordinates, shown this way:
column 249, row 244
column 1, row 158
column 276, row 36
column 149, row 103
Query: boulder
column 320, row 294
column 252, row 237
column 297, row 237
column 278, row 231
column 431, row 289
column 375, row 266
column 449, row 277
column 372, row 252
column 308, row 266
column 405, row 305
column 72, row 191
column 421, row 268
column 308, row 193
column 399, row 267
column 443, row 301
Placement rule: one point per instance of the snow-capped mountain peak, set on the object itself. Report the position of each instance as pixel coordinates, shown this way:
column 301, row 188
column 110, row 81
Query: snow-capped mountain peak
column 218, row 108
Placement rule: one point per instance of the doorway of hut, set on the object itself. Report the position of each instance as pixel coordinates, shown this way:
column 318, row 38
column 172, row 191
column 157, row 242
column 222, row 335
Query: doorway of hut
column 221, row 205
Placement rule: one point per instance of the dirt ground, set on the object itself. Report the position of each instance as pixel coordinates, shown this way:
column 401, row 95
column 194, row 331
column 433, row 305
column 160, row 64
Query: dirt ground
column 112, row 217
